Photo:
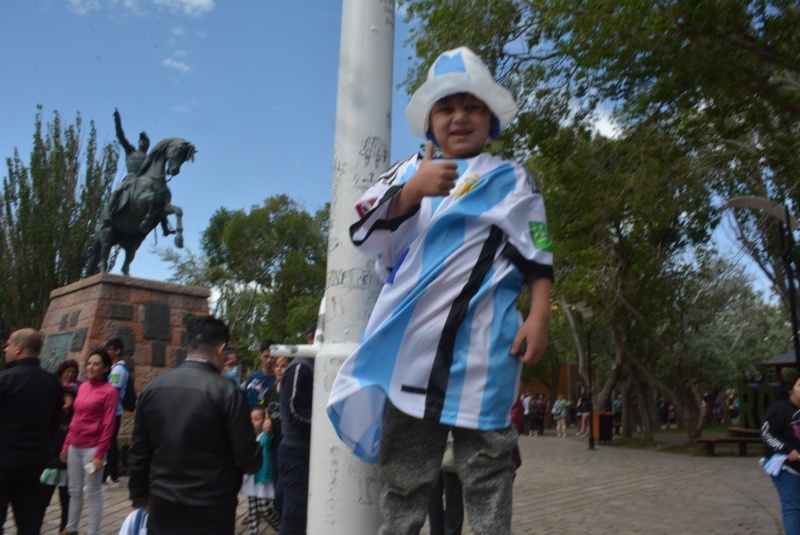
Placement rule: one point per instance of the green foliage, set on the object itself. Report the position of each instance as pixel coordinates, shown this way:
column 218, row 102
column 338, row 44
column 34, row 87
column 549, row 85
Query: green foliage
column 265, row 266
column 730, row 331
column 706, row 97
column 50, row 210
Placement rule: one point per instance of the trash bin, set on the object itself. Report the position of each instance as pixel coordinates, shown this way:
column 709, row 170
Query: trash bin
column 603, row 427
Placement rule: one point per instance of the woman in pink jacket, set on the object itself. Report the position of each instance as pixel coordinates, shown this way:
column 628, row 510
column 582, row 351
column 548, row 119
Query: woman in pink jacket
column 88, row 439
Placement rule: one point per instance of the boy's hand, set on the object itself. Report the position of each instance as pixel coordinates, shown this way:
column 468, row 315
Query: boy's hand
column 433, row 178
column 267, row 426
column 531, row 341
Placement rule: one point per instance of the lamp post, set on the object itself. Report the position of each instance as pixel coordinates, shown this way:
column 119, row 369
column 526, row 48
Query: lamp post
column 788, row 225
column 587, row 313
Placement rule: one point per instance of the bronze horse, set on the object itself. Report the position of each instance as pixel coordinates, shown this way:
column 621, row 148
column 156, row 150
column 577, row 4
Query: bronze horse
column 143, row 202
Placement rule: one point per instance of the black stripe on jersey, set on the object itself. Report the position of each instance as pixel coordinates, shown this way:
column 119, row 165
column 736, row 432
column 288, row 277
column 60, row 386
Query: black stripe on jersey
column 440, row 371
column 393, row 224
column 382, row 224
column 527, row 267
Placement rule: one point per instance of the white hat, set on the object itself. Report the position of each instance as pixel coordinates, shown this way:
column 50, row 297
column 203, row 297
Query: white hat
column 459, row 71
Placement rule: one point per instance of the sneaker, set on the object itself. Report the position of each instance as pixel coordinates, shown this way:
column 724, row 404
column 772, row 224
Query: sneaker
column 112, row 483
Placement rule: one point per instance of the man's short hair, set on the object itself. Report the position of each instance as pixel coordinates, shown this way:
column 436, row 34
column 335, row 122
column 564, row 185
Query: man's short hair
column 30, row 339
column 266, row 343
column 115, row 343
column 206, row 332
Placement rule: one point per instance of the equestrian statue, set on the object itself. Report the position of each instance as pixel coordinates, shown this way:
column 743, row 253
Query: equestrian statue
column 140, row 202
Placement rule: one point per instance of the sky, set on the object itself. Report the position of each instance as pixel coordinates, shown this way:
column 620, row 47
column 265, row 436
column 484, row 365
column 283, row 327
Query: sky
column 251, row 83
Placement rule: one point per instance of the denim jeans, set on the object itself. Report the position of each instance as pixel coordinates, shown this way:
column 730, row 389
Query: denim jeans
column 788, row 486
column 293, row 466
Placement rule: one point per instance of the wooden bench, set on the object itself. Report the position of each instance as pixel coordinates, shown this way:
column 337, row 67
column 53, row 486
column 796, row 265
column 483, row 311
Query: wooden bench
column 710, row 442
column 743, row 432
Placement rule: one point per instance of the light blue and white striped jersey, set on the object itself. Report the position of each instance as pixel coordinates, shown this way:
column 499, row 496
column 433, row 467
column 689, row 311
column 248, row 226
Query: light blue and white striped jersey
column 438, row 341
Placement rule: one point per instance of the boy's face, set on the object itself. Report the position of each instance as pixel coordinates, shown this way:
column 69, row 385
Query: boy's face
column 257, row 418
column 460, row 123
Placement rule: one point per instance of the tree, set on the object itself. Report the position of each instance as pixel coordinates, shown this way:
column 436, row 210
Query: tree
column 266, row 266
column 50, row 211
column 706, row 94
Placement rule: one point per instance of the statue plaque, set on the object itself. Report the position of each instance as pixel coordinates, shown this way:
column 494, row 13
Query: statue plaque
column 156, row 321
column 73, row 318
column 120, row 311
column 78, row 339
column 158, row 354
column 56, row 347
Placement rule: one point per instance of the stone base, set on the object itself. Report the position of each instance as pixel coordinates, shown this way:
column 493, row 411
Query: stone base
column 150, row 317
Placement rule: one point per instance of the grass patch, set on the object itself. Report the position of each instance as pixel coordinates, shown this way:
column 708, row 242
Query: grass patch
column 636, row 442
column 676, row 441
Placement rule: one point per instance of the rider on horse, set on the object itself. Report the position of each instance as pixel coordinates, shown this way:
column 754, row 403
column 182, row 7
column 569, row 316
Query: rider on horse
column 134, row 158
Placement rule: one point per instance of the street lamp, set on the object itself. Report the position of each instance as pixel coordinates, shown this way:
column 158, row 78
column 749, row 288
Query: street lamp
column 788, row 225
column 586, row 313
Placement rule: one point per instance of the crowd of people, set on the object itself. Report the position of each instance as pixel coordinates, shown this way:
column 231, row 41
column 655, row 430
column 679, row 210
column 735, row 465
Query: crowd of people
column 60, row 433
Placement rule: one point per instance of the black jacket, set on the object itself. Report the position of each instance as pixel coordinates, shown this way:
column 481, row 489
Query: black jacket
column 781, row 430
column 297, row 385
column 31, row 401
column 192, row 439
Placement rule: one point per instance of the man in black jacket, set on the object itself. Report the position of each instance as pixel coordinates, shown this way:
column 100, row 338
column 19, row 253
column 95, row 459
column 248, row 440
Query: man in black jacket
column 31, row 401
column 293, row 453
column 192, row 441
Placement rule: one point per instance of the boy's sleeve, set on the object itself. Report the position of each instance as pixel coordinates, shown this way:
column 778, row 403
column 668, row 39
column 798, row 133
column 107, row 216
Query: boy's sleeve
column 374, row 233
column 525, row 224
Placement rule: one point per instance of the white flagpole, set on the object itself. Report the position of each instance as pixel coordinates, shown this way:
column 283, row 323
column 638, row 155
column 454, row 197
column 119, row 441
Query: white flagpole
column 343, row 490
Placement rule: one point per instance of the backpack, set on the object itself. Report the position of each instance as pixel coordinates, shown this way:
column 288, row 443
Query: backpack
column 129, row 399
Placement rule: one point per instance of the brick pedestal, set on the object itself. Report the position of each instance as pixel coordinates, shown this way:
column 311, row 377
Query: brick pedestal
column 149, row 316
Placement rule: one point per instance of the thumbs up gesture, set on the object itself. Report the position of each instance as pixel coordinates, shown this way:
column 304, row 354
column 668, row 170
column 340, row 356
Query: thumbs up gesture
column 433, row 178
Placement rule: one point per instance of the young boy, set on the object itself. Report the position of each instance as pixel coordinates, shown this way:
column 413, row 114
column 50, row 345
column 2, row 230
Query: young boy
column 455, row 238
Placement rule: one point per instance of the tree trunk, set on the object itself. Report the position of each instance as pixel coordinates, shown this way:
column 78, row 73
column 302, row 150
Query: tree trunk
column 627, row 408
column 604, row 395
column 645, row 399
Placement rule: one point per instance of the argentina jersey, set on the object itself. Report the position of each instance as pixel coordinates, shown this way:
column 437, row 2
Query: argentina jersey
column 437, row 344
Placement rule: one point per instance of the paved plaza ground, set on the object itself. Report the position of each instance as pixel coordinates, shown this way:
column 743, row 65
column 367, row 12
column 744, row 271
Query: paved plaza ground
column 564, row 488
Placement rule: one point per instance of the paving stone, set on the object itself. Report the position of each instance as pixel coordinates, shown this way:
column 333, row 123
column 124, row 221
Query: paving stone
column 566, row 489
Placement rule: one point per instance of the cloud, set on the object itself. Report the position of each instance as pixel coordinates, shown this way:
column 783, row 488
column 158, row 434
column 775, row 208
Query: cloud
column 180, row 66
column 606, row 126
column 82, row 7
column 193, row 8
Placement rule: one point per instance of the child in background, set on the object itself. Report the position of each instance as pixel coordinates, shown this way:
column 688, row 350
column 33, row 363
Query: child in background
column 55, row 475
column 272, row 405
column 258, row 487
